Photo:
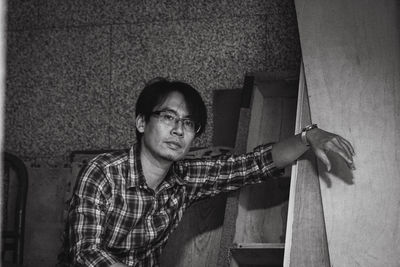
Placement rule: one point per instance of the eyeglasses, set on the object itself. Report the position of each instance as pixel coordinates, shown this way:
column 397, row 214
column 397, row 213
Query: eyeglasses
column 171, row 119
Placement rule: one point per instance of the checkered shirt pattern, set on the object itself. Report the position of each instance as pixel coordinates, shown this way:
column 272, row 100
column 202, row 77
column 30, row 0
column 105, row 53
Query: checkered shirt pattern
column 115, row 217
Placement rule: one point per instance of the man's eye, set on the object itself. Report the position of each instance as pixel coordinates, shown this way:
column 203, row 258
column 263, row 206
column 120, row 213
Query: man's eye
column 169, row 117
column 188, row 124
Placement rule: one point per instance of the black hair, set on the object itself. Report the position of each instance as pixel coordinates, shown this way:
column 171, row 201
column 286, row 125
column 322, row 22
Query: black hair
column 156, row 92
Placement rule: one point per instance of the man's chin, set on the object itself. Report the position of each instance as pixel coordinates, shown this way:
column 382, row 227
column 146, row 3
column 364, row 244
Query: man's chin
column 174, row 155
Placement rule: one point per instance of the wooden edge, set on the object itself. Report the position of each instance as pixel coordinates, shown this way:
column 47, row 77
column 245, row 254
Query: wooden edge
column 255, row 119
column 306, row 240
column 260, row 245
column 232, row 202
column 271, row 255
column 293, row 180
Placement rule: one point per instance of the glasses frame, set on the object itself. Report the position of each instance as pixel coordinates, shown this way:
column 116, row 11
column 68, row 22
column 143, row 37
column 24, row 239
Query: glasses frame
column 178, row 119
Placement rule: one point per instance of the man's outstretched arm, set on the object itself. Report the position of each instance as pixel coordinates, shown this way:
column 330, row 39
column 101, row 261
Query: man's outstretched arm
column 321, row 142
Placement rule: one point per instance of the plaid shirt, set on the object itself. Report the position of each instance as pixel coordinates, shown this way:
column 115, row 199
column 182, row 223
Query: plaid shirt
column 115, row 217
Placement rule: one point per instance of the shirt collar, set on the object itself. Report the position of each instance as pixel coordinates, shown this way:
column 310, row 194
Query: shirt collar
column 135, row 173
column 173, row 174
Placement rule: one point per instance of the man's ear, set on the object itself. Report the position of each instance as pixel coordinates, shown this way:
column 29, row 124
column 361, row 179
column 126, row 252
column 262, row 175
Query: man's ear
column 140, row 123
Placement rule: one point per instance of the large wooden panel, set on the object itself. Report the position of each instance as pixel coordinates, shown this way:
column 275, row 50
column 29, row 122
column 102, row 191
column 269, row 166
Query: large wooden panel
column 352, row 67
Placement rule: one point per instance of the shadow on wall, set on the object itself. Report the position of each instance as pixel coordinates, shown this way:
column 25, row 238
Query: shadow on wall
column 339, row 170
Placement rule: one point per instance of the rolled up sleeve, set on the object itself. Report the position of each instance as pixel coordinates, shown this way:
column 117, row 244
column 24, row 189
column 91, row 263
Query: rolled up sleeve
column 227, row 173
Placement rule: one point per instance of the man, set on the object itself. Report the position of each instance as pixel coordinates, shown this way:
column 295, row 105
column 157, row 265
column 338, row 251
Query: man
column 127, row 203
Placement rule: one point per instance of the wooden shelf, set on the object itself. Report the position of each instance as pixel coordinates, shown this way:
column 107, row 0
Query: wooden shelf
column 258, row 254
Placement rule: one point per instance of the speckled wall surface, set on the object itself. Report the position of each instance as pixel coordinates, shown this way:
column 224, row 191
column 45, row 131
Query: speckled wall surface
column 75, row 68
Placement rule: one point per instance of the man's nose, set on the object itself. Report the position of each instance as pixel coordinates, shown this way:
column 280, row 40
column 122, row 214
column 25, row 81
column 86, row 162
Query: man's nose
column 178, row 128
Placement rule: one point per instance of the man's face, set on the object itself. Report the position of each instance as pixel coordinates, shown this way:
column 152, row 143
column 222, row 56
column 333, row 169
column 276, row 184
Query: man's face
column 164, row 142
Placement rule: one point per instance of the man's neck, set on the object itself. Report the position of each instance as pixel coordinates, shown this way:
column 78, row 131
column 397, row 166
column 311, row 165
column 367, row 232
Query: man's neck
column 154, row 170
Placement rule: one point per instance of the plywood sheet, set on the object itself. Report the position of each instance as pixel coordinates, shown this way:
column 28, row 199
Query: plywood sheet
column 196, row 240
column 352, row 66
column 306, row 243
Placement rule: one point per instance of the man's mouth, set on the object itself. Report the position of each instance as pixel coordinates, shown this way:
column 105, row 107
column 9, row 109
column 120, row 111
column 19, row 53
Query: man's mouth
column 174, row 145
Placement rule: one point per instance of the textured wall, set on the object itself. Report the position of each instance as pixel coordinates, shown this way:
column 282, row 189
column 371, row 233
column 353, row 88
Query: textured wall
column 75, row 68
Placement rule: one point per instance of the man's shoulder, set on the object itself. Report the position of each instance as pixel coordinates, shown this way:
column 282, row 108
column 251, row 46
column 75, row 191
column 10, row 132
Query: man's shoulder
column 111, row 158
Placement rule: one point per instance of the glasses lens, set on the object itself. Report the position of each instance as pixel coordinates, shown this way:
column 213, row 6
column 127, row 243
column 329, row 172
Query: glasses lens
column 168, row 118
column 188, row 125
column 171, row 119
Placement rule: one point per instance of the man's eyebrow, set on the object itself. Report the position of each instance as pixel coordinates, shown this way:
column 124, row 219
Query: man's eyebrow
column 168, row 110
column 189, row 116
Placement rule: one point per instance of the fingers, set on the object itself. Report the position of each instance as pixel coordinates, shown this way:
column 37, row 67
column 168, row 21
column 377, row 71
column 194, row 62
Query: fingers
column 343, row 150
column 324, row 158
column 350, row 150
column 342, row 147
column 322, row 142
column 348, row 145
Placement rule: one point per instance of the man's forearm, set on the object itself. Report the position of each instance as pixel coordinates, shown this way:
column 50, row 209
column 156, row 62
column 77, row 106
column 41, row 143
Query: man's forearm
column 287, row 151
column 320, row 141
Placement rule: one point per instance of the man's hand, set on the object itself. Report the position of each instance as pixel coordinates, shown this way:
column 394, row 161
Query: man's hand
column 322, row 142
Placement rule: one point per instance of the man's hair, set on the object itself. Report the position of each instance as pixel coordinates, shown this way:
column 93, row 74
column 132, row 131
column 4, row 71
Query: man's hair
column 157, row 91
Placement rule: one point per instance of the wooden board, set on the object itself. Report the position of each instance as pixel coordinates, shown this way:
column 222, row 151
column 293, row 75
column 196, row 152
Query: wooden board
column 226, row 111
column 196, row 240
column 262, row 208
column 266, row 255
column 352, row 67
column 306, row 243
column 257, row 215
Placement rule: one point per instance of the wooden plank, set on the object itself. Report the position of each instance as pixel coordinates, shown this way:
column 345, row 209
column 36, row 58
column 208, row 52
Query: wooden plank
column 226, row 111
column 260, row 245
column 306, row 244
column 255, row 119
column 259, row 215
column 271, row 121
column 255, row 254
column 352, row 67
column 232, row 202
column 262, row 208
column 196, row 240
column 279, row 88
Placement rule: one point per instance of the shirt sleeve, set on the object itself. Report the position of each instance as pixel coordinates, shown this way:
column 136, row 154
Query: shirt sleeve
column 208, row 177
column 86, row 220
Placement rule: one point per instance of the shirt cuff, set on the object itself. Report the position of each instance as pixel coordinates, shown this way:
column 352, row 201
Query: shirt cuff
column 268, row 166
column 95, row 258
